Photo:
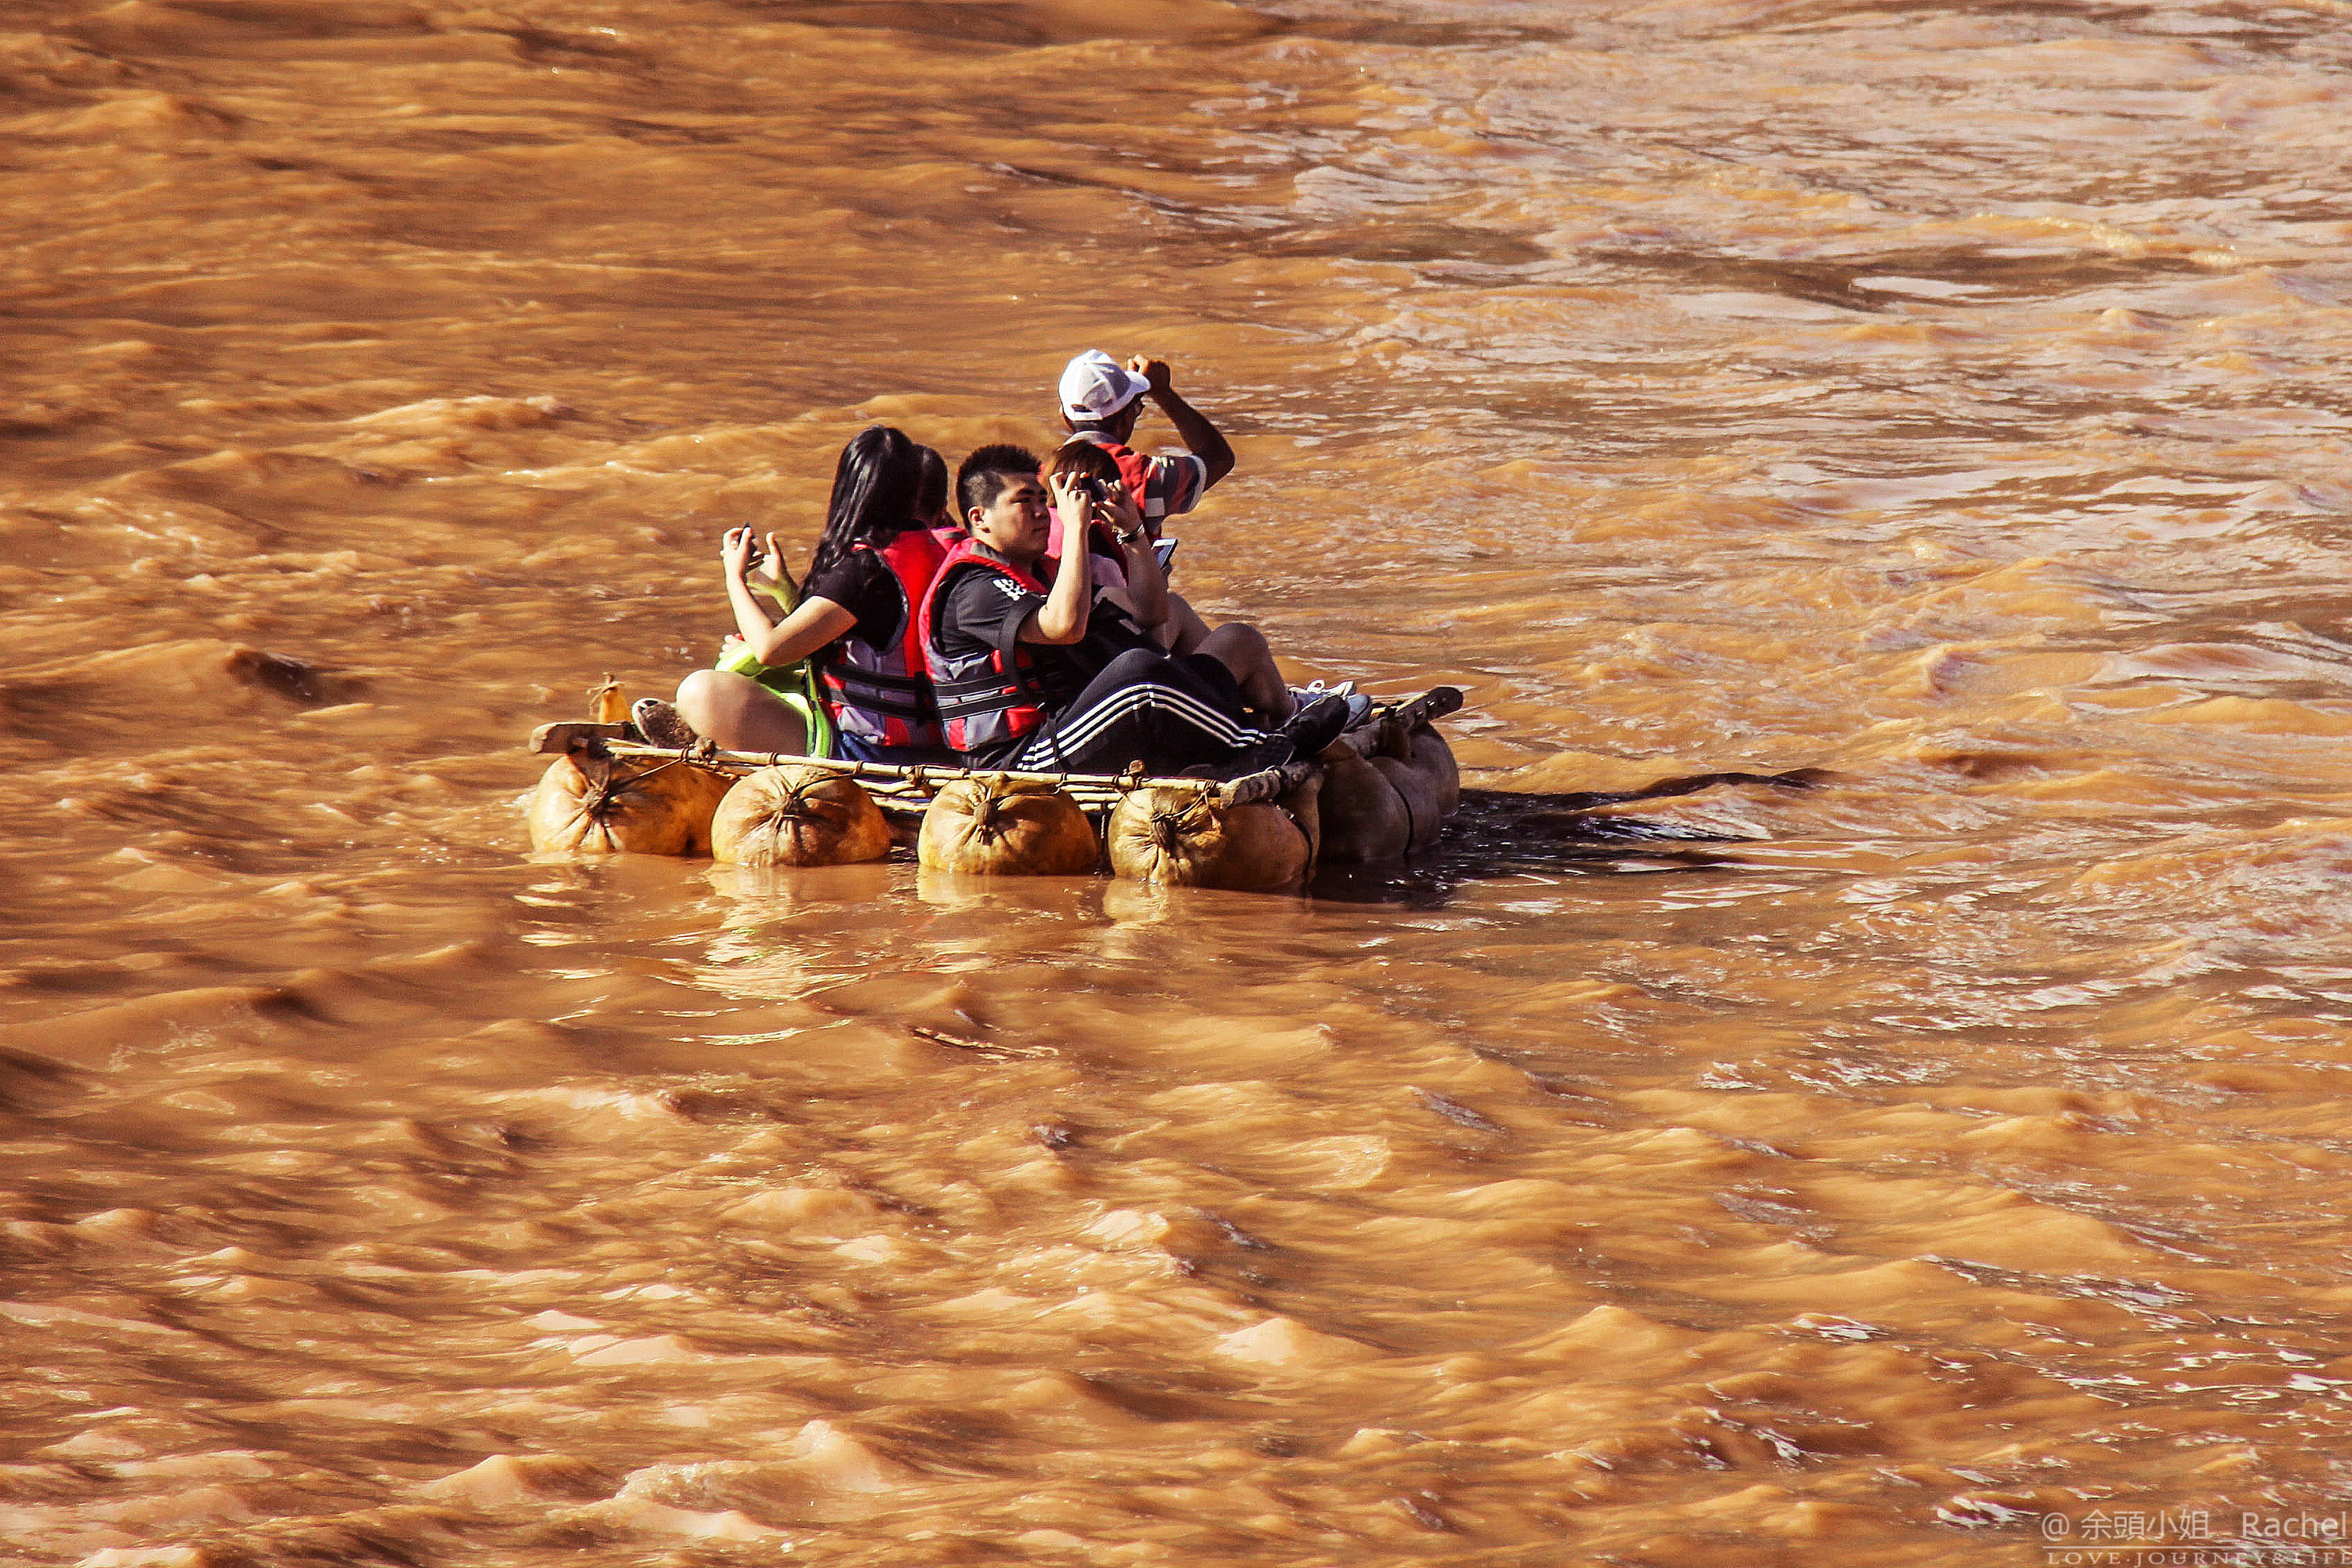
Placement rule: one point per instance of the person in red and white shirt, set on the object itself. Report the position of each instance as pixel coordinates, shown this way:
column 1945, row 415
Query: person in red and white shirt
column 1101, row 402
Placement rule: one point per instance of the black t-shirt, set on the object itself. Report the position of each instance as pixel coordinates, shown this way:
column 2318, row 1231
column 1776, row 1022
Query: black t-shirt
column 862, row 583
column 983, row 611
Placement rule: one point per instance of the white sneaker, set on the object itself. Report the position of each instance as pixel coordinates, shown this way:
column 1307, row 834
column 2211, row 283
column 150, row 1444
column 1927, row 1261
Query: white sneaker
column 1313, row 690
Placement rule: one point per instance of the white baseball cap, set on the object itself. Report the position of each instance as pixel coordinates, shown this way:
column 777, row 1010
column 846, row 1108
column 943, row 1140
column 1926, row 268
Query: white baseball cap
column 1096, row 386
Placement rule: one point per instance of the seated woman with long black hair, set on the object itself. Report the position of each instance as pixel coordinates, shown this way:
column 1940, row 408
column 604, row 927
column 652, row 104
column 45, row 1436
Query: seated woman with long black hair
column 863, row 692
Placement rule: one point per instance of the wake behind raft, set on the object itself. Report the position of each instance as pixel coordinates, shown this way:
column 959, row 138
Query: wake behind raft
column 1381, row 791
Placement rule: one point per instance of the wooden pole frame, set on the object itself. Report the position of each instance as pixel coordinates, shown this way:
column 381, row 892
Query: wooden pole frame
column 893, row 782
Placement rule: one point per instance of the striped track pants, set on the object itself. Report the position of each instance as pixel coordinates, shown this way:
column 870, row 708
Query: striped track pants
column 1167, row 714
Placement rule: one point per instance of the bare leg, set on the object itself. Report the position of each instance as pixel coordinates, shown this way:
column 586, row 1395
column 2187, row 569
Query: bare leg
column 1242, row 649
column 740, row 714
column 1185, row 630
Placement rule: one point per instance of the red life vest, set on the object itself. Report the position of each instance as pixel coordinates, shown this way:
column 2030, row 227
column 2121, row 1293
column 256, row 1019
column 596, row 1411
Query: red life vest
column 1134, row 470
column 984, row 698
column 883, row 694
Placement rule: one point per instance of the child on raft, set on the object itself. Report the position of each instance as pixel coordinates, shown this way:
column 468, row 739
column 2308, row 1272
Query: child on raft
column 1038, row 665
column 1101, row 402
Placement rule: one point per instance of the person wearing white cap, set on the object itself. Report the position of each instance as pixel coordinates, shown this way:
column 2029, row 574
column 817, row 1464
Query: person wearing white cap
column 1101, row 402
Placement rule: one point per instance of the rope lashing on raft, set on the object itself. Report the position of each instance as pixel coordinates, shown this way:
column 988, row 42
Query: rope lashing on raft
column 602, row 786
column 1169, row 823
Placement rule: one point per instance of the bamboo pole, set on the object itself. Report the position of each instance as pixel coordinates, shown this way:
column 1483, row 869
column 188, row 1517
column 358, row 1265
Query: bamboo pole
column 1100, row 790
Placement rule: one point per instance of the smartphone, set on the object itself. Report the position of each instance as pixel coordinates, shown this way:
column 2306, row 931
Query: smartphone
column 1166, row 551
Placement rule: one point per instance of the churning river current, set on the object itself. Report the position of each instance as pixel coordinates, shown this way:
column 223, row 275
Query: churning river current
column 1939, row 1156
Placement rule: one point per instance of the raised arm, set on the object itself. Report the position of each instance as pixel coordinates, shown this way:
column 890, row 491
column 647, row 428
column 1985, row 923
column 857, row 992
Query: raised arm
column 811, row 625
column 1061, row 620
column 1192, row 427
column 1147, row 584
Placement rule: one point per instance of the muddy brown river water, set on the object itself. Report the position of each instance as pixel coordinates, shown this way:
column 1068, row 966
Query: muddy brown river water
column 1939, row 1158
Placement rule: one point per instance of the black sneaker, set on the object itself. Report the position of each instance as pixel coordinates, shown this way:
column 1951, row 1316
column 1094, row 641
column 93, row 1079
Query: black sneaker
column 1256, row 757
column 1315, row 726
column 662, row 724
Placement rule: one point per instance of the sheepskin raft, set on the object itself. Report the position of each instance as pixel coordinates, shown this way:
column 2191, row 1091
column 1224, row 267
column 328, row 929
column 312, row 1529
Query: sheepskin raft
column 797, row 816
column 1381, row 791
column 588, row 804
column 1006, row 827
column 1388, row 788
column 1184, row 840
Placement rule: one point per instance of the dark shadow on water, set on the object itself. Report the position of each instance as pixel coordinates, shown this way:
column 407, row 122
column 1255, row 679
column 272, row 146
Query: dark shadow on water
column 1499, row 834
